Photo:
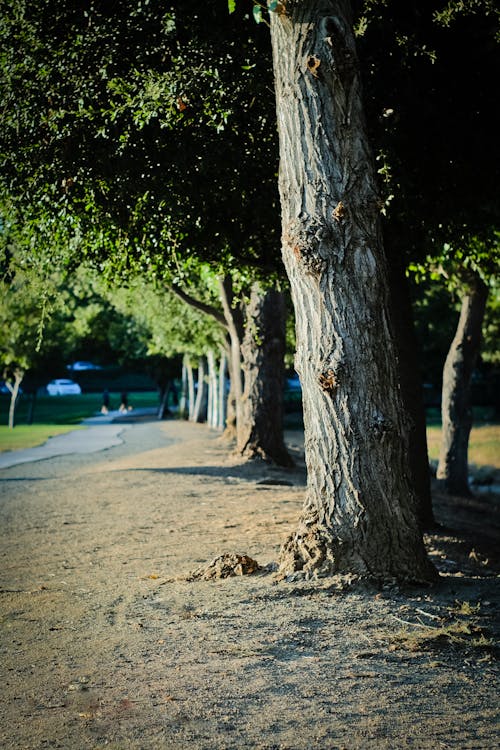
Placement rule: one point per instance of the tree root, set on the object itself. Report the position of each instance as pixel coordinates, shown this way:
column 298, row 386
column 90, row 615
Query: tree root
column 307, row 551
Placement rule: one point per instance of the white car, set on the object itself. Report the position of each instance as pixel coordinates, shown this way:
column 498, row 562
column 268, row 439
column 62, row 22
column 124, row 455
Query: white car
column 63, row 387
column 83, row 366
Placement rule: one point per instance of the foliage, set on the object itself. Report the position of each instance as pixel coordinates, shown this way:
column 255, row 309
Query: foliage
column 140, row 138
column 433, row 118
column 170, row 326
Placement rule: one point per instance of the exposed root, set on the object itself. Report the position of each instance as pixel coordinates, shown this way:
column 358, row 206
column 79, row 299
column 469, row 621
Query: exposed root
column 307, row 553
column 313, row 551
column 226, row 566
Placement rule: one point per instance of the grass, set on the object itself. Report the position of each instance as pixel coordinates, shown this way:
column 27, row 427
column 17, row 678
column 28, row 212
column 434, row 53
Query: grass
column 27, row 436
column 55, row 415
column 484, row 445
column 460, row 627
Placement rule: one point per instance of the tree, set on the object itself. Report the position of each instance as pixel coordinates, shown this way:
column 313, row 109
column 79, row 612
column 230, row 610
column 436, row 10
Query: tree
column 256, row 350
column 147, row 137
column 467, row 273
column 260, row 431
column 359, row 512
column 415, row 83
column 172, row 328
column 25, row 299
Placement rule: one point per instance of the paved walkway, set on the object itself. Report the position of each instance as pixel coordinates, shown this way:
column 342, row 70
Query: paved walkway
column 102, row 432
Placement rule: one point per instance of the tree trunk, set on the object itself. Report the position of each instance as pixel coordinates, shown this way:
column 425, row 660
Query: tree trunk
column 200, row 406
column 191, row 392
column 456, row 408
column 234, row 328
column 213, row 391
column 411, row 385
column 163, row 410
column 14, row 394
column 359, row 512
column 31, row 410
column 260, row 429
column 184, row 399
column 222, row 396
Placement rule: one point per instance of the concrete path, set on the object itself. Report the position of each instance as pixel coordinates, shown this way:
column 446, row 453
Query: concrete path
column 102, row 432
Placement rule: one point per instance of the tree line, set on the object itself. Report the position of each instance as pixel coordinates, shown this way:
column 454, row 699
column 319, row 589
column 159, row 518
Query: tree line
column 201, row 154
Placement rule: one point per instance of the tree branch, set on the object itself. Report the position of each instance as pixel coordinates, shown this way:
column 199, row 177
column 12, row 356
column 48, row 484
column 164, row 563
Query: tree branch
column 199, row 305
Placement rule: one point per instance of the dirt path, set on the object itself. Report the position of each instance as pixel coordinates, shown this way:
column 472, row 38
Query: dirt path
column 105, row 644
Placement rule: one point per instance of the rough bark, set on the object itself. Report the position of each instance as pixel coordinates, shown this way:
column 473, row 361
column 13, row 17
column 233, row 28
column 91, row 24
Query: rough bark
column 260, row 430
column 359, row 512
column 456, row 410
column 411, row 385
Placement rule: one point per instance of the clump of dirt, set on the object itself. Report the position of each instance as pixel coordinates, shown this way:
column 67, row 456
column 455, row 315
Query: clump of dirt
column 226, row 566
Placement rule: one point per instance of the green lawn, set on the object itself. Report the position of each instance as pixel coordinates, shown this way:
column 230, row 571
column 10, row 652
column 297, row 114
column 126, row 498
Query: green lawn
column 27, row 436
column 484, row 445
column 57, row 414
column 54, row 415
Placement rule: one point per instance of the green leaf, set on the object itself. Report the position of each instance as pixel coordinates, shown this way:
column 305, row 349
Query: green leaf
column 272, row 5
column 231, row 4
column 257, row 13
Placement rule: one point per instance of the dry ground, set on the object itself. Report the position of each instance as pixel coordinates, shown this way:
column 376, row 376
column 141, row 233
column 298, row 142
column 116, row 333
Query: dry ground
column 104, row 643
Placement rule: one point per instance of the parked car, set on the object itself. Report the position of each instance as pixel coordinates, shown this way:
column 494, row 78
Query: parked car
column 63, row 387
column 83, row 366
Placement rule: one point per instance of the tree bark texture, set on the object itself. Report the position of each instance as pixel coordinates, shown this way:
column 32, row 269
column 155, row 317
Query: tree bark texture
column 359, row 512
column 456, row 411
column 260, row 429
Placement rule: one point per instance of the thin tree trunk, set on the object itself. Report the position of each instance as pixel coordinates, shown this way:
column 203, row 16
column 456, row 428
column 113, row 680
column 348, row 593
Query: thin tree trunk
column 359, row 512
column 14, row 394
column 163, row 409
column 183, row 401
column 213, row 391
column 222, row 396
column 456, row 411
column 32, row 405
column 200, row 406
column 234, row 329
column 191, row 391
column 260, row 429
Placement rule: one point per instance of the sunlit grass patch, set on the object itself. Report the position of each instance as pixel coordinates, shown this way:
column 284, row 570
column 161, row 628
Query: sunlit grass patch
column 29, row 436
column 484, row 445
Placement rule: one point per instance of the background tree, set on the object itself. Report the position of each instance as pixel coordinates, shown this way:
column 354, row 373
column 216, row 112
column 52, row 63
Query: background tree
column 419, row 117
column 153, row 136
column 468, row 274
